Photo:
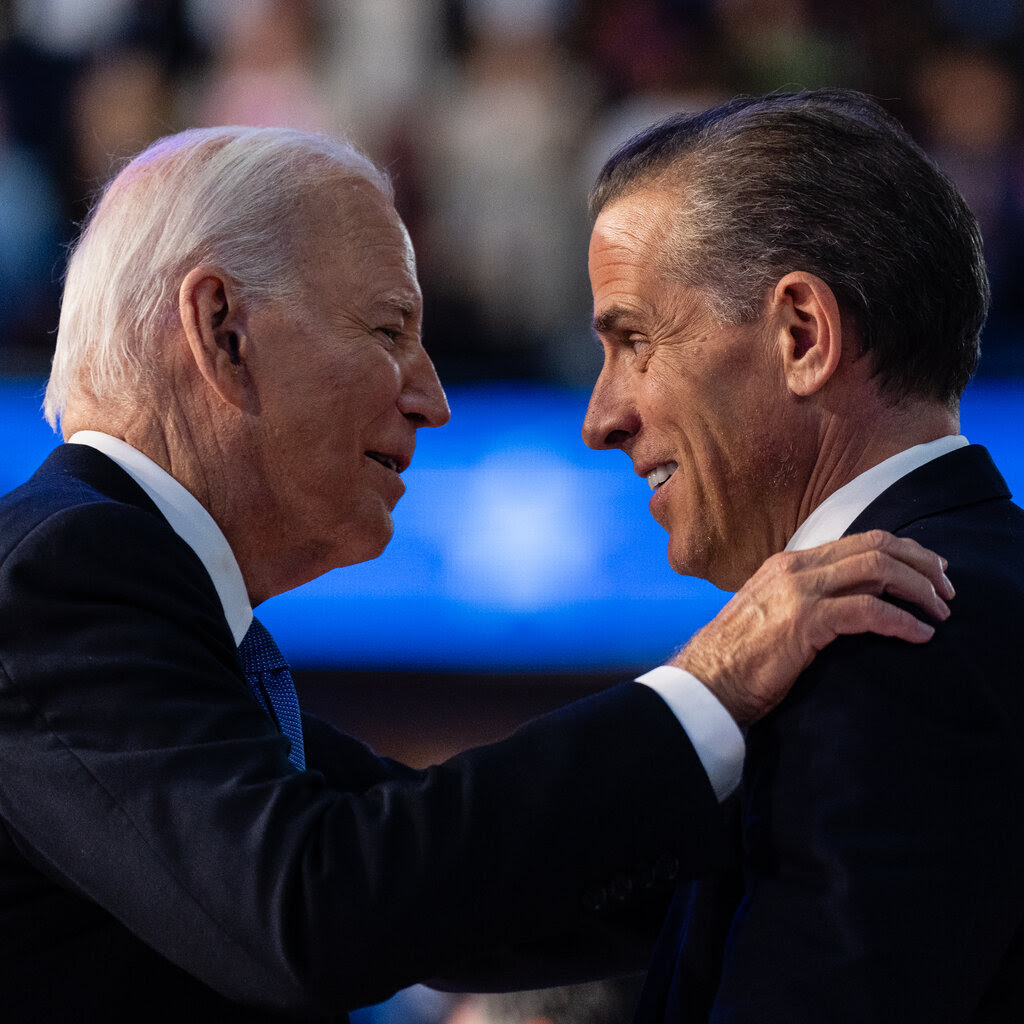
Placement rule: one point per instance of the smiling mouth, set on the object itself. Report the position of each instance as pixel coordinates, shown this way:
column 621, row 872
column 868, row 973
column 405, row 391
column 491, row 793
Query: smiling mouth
column 660, row 474
column 387, row 461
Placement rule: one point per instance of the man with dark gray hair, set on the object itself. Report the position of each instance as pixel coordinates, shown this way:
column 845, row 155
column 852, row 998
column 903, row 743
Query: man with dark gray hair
column 789, row 295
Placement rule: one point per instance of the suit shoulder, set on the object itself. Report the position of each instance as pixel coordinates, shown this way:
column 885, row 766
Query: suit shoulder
column 984, row 545
column 968, row 673
column 64, row 538
column 58, row 499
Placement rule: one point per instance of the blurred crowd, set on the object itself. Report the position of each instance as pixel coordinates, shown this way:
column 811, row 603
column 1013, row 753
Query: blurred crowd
column 493, row 117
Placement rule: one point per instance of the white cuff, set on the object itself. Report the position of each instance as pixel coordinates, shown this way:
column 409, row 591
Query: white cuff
column 714, row 734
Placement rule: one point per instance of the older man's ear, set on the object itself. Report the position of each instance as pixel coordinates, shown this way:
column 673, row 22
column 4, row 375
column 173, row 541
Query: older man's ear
column 810, row 340
column 218, row 335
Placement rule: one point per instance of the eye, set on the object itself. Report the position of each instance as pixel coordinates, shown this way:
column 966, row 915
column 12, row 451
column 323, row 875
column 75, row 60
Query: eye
column 640, row 345
column 391, row 333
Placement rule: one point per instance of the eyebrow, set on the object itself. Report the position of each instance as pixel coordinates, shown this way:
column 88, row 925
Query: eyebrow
column 610, row 319
column 401, row 301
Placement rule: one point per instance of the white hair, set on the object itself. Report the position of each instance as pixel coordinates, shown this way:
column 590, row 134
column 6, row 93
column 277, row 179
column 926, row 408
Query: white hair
column 233, row 197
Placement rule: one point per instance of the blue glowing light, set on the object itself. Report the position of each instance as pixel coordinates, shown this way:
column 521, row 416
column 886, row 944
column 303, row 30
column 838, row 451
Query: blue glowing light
column 515, row 547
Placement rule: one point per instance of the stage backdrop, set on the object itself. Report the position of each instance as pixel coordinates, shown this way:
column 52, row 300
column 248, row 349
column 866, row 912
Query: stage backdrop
column 516, row 548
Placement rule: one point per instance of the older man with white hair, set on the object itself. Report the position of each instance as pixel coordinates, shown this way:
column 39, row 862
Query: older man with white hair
column 240, row 378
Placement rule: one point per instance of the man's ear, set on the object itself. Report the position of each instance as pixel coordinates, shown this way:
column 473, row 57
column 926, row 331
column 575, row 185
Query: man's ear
column 810, row 331
column 217, row 330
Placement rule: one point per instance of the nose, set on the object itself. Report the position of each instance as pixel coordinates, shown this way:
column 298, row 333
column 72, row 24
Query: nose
column 611, row 418
column 422, row 400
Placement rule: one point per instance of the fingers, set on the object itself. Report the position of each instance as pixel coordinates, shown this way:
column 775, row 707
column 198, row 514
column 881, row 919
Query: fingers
column 798, row 602
column 875, row 572
column 909, row 552
column 921, row 559
column 863, row 613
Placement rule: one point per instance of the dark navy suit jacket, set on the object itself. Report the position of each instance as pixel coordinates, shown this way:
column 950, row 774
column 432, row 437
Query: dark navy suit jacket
column 161, row 860
column 881, row 824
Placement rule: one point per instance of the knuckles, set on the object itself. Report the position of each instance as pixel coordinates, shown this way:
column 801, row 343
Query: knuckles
column 877, row 565
column 879, row 539
column 781, row 567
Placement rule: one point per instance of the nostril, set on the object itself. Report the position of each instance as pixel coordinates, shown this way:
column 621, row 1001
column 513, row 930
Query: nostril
column 610, row 424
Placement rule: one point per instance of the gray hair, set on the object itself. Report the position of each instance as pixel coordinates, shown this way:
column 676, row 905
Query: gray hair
column 825, row 182
column 230, row 196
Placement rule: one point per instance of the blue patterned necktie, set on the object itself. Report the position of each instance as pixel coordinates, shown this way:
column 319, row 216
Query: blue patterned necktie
column 272, row 685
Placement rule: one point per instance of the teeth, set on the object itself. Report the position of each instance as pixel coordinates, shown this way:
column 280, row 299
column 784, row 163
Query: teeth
column 660, row 474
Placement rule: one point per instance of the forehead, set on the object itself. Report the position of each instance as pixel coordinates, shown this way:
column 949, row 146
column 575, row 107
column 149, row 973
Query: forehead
column 634, row 285
column 357, row 249
column 640, row 218
column 632, row 232
column 628, row 243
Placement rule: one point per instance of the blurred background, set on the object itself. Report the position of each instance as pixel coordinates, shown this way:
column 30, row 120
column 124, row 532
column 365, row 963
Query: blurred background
column 493, row 117
column 525, row 569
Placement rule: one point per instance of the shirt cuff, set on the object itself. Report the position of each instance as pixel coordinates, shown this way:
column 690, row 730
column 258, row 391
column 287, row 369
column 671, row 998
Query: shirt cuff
column 714, row 734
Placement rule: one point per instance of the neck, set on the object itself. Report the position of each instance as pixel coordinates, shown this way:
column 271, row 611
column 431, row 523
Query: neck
column 846, row 449
column 202, row 456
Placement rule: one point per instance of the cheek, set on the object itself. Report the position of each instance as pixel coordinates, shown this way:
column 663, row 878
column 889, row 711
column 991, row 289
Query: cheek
column 370, row 389
column 691, row 426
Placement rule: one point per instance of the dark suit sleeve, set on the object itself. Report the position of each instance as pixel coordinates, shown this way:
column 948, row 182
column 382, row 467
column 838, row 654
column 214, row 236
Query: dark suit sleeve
column 883, row 820
column 137, row 772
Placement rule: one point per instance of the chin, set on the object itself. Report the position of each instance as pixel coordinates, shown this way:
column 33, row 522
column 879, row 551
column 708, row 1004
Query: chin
column 369, row 543
column 688, row 557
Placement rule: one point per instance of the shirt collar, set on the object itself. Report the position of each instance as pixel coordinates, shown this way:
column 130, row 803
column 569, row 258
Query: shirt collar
column 189, row 520
column 832, row 518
